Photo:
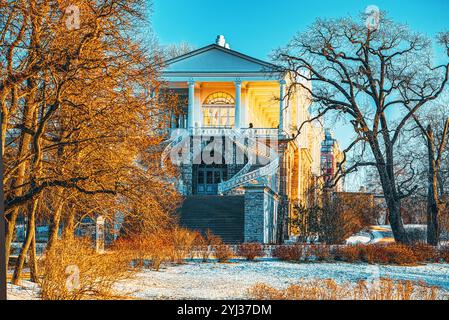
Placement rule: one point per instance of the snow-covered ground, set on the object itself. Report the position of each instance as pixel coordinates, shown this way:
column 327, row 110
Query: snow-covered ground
column 232, row 280
column 196, row 280
column 25, row 291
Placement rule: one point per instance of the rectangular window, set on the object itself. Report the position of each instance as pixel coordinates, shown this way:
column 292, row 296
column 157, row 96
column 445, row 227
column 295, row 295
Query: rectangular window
column 217, row 177
column 201, row 177
column 209, row 177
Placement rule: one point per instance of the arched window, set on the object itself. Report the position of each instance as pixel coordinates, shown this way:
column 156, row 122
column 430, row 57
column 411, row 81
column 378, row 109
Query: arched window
column 219, row 110
column 219, row 98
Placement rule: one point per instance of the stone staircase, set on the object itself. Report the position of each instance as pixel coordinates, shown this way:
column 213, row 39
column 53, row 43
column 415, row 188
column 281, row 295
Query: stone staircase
column 223, row 215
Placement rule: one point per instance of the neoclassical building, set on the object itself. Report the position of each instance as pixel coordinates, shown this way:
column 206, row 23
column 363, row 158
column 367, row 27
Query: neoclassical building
column 242, row 166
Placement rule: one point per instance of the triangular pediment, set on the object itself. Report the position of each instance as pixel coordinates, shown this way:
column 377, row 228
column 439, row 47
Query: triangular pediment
column 216, row 59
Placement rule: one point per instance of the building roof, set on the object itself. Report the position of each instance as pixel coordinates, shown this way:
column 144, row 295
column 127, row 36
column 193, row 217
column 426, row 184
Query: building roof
column 216, row 60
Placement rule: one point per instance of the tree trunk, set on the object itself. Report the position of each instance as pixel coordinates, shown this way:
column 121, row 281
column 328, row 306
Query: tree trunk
column 33, row 260
column 24, row 148
column 10, row 226
column 433, row 232
column 397, row 225
column 26, row 245
column 388, row 183
column 54, row 226
column 394, row 208
column 433, row 213
column 69, row 226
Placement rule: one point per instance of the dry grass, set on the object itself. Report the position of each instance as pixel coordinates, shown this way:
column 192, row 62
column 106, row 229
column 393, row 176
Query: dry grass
column 72, row 270
column 384, row 289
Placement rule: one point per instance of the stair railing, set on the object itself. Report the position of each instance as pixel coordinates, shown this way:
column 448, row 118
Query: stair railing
column 243, row 176
column 252, row 150
column 176, row 138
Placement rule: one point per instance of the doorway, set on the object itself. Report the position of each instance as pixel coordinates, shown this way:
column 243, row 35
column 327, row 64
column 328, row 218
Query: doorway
column 209, row 178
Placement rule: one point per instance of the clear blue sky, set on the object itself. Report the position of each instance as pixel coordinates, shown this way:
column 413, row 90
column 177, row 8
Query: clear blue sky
column 256, row 27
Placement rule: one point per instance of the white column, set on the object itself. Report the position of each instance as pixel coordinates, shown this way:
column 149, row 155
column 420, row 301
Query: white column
column 238, row 103
column 190, row 119
column 281, row 105
column 244, row 122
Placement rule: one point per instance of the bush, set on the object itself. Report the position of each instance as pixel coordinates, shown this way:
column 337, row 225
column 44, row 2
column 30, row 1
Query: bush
column 399, row 254
column 170, row 245
column 250, row 250
column 134, row 248
column 174, row 244
column 444, row 254
column 384, row 289
column 223, row 253
column 155, row 248
column 348, row 253
column 204, row 245
column 373, row 254
column 289, row 252
column 182, row 243
column 377, row 254
column 320, row 252
column 72, row 270
column 425, row 252
column 159, row 249
column 201, row 247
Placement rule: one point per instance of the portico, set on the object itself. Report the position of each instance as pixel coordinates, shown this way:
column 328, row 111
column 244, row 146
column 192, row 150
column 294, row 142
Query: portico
column 233, row 105
column 252, row 90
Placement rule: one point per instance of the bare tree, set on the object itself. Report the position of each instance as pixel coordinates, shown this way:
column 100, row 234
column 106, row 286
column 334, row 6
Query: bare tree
column 433, row 128
column 378, row 78
column 172, row 51
column 80, row 126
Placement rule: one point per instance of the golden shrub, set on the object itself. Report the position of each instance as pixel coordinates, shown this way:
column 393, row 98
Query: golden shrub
column 250, row 251
column 72, row 270
column 223, row 252
column 289, row 252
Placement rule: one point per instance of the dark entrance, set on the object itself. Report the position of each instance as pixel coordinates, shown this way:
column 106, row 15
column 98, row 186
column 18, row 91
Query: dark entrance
column 208, row 179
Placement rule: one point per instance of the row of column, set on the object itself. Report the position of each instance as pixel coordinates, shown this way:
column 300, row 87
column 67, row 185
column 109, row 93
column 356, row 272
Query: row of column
column 238, row 103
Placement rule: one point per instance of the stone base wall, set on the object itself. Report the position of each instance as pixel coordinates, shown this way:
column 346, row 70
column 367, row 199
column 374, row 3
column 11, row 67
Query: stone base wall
column 260, row 215
column 187, row 179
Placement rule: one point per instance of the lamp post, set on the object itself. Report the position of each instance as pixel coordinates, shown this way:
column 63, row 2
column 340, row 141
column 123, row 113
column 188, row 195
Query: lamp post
column 99, row 235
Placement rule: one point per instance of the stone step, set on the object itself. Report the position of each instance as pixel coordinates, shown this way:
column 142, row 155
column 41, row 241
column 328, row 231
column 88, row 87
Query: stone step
column 222, row 215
